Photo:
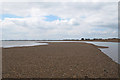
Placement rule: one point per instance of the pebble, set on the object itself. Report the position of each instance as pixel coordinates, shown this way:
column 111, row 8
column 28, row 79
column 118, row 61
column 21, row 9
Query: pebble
column 70, row 69
column 86, row 76
column 74, row 76
column 81, row 70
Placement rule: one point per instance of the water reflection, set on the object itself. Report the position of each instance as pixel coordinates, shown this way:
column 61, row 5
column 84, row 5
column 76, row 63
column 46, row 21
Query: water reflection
column 7, row 44
column 112, row 51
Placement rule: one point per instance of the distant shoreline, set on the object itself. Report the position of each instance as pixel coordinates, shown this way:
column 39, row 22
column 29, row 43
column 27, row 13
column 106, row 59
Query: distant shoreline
column 97, row 40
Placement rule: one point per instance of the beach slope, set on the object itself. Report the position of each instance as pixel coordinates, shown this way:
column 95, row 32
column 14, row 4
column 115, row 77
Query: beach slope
column 58, row 60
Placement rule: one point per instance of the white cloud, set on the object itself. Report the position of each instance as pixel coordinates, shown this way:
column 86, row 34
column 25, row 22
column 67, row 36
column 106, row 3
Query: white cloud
column 59, row 1
column 77, row 20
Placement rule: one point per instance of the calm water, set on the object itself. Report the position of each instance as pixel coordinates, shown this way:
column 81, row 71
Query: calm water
column 112, row 51
column 7, row 44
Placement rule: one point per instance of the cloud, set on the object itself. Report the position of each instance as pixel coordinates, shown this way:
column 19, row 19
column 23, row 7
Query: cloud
column 59, row 1
column 68, row 20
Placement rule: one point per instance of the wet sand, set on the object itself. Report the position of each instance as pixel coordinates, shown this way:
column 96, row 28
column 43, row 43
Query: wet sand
column 58, row 60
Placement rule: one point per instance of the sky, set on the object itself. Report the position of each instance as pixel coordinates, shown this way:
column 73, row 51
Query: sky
column 58, row 20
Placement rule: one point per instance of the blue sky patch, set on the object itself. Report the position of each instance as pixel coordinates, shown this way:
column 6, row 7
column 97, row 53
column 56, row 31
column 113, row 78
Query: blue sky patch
column 83, row 17
column 3, row 16
column 51, row 18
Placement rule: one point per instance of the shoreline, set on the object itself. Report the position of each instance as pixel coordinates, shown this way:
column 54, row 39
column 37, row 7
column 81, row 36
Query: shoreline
column 103, row 40
column 52, row 55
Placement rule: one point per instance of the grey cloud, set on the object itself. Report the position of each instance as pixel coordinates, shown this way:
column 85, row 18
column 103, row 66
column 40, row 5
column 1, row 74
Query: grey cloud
column 96, row 15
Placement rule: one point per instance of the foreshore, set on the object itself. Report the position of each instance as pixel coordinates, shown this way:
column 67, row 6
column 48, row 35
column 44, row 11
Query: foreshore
column 58, row 60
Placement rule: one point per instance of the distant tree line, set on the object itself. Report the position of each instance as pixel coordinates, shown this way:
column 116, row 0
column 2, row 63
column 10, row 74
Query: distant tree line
column 69, row 39
column 99, row 39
